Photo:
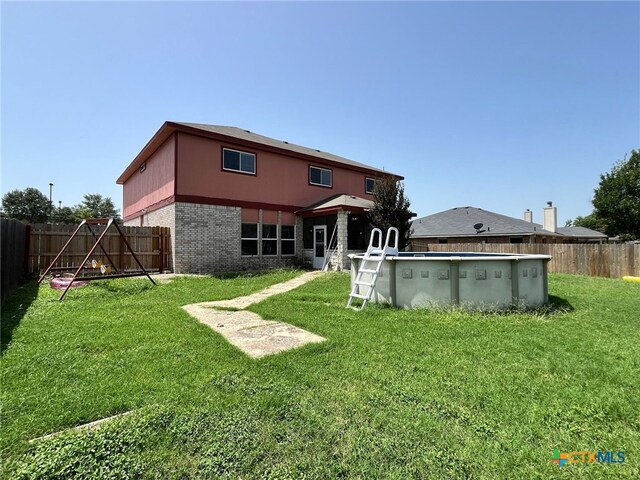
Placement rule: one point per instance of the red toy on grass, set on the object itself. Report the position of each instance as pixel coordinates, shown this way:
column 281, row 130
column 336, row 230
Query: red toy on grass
column 61, row 283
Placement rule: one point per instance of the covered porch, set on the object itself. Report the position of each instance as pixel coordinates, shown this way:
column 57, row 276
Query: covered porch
column 332, row 229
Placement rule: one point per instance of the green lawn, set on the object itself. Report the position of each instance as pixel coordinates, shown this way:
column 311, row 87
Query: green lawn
column 390, row 394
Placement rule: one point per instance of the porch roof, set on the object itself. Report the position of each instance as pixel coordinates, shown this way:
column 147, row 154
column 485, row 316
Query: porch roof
column 337, row 202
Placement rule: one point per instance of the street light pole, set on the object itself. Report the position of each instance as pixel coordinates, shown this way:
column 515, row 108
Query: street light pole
column 50, row 203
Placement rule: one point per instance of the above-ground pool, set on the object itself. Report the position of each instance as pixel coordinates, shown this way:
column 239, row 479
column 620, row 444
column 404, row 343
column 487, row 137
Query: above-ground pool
column 485, row 281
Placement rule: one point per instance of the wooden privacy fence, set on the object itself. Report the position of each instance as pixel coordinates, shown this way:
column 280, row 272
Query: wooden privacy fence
column 151, row 245
column 14, row 258
column 596, row 260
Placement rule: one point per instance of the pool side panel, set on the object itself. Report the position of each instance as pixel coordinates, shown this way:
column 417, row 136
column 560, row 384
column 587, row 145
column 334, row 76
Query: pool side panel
column 422, row 283
column 485, row 284
column 530, row 283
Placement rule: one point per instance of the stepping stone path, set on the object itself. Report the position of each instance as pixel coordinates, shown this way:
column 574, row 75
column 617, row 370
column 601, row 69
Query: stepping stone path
column 249, row 331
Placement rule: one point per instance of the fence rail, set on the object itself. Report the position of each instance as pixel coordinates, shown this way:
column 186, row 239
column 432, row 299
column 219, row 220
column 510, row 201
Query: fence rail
column 151, row 245
column 600, row 260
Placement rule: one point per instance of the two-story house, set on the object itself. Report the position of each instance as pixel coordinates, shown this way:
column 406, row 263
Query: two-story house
column 236, row 200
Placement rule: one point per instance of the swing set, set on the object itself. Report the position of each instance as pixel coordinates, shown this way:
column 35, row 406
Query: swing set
column 105, row 270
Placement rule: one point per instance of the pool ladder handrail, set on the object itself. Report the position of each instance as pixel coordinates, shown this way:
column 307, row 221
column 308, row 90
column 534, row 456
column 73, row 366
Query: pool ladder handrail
column 328, row 254
column 375, row 254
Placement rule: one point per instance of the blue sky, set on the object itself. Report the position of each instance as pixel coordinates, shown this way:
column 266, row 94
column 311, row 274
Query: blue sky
column 501, row 106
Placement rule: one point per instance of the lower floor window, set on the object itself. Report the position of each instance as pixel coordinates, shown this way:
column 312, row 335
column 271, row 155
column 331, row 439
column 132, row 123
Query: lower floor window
column 269, row 240
column 288, row 240
column 265, row 236
column 249, row 239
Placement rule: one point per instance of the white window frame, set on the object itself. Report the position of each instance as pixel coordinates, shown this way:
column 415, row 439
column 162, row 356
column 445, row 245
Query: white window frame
column 290, row 240
column 255, row 161
column 256, row 239
column 276, row 239
column 366, row 180
column 321, row 170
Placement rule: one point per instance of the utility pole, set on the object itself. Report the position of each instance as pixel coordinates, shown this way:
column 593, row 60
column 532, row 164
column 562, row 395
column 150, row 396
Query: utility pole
column 50, row 202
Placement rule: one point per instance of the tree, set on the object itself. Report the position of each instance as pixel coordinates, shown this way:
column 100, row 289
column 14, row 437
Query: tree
column 95, row 205
column 590, row 221
column 30, row 205
column 65, row 215
column 616, row 200
column 391, row 208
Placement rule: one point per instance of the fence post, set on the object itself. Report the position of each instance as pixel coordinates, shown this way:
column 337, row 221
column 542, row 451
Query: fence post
column 14, row 235
column 161, row 242
column 121, row 265
column 27, row 249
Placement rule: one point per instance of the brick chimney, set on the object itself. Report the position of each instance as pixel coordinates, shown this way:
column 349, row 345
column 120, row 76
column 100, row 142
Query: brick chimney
column 550, row 218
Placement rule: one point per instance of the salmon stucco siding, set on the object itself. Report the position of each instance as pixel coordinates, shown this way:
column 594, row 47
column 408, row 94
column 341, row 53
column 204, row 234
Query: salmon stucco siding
column 153, row 183
column 279, row 180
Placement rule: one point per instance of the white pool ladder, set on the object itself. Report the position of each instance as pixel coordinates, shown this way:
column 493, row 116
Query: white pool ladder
column 372, row 264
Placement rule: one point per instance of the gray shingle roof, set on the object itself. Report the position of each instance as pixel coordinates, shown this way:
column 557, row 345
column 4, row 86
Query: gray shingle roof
column 581, row 232
column 460, row 221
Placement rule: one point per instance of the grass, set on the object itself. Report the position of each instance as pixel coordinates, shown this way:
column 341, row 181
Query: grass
column 390, row 394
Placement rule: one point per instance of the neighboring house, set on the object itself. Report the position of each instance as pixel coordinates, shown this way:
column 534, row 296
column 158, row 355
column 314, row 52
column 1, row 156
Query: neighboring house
column 474, row 225
column 236, row 200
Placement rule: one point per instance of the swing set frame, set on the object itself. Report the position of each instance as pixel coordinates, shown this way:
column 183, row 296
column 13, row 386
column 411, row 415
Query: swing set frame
column 98, row 243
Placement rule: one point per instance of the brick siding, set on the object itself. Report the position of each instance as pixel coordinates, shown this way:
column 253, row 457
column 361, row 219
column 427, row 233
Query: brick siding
column 206, row 239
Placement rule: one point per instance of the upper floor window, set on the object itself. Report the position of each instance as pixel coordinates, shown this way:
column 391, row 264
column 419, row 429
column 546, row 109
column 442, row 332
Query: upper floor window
column 237, row 161
column 369, row 184
column 320, row 176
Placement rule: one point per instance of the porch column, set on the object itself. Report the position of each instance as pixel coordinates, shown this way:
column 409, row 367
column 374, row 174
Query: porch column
column 341, row 259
